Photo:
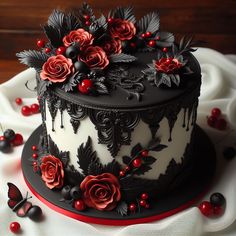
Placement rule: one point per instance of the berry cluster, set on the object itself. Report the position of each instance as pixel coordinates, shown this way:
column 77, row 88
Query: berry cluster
column 215, row 120
column 9, row 139
column 214, row 207
column 141, row 202
column 27, row 110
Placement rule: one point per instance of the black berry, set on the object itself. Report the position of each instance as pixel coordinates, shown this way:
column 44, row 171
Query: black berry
column 217, row 199
column 72, row 52
column 81, row 67
column 66, row 192
column 5, row 146
column 34, row 213
column 75, row 192
column 9, row 134
column 229, row 152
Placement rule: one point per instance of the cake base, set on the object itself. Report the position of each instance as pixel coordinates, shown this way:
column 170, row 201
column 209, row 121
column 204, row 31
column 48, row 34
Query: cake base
column 178, row 200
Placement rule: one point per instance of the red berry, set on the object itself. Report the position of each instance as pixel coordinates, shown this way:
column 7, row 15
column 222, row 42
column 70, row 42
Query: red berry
column 34, row 147
column 143, row 36
column 86, row 17
column 137, row 162
column 206, row 208
column 152, row 43
column 142, row 203
column 35, row 166
column 26, row 111
column 132, row 207
column 147, row 206
column 18, row 140
column 148, row 34
column 211, row 120
column 41, row 43
column 88, row 23
column 122, row 173
column 127, row 168
column 133, row 45
column 165, row 50
column 216, row 112
column 47, row 50
column 2, row 138
column 85, row 86
column 217, row 210
column 221, row 124
column 158, row 38
column 34, row 108
column 35, row 155
column 144, row 153
column 15, row 227
column 110, row 20
column 18, row 101
column 144, row 196
column 61, row 50
column 79, row 205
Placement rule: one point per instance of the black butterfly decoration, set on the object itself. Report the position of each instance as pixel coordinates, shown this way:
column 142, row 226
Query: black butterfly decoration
column 21, row 205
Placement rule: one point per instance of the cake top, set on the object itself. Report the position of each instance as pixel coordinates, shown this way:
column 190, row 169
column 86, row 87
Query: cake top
column 86, row 58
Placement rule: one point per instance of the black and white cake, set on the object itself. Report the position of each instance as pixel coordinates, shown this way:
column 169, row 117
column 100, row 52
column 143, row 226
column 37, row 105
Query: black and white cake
column 118, row 98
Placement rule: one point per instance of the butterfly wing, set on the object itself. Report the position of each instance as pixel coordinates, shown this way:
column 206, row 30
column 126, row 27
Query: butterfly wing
column 14, row 195
column 22, row 211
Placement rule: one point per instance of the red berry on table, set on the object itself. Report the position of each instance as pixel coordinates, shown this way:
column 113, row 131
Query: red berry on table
column 47, row 50
column 88, row 23
column 18, row 140
column 216, row 112
column 217, row 210
column 211, row 121
column 165, row 49
column 35, row 155
column 2, row 138
column 206, row 208
column 142, row 203
column 61, row 50
column 86, row 17
column 41, row 43
column 152, row 43
column 144, row 153
column 221, row 124
column 34, row 108
column 15, row 227
column 143, row 36
column 132, row 207
column 26, row 111
column 148, row 34
column 18, row 101
column 144, row 196
column 34, row 147
column 137, row 162
column 122, row 173
column 79, row 205
column 85, row 86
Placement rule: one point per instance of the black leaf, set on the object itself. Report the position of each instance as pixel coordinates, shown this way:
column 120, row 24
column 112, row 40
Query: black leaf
column 54, row 35
column 148, row 160
column 136, row 150
column 42, row 86
column 166, row 39
column 142, row 169
column 122, row 57
column 32, row 58
column 73, row 176
column 100, row 87
column 95, row 168
column 163, row 79
column 86, row 10
column 64, row 156
column 149, row 23
column 56, row 19
column 86, row 156
column 155, row 145
column 175, row 78
column 125, row 13
column 72, row 22
column 72, row 82
column 112, row 167
column 126, row 160
column 122, row 208
column 42, row 144
column 99, row 27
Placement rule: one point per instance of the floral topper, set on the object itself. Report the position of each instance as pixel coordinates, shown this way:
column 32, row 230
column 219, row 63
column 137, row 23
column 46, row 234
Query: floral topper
column 82, row 48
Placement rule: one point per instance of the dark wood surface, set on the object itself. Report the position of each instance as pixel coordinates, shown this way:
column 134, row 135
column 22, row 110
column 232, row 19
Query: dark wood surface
column 212, row 21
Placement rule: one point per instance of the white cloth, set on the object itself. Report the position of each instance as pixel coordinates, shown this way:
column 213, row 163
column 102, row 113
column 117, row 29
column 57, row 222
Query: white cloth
column 218, row 90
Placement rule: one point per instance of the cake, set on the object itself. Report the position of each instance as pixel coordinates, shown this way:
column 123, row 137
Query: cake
column 118, row 99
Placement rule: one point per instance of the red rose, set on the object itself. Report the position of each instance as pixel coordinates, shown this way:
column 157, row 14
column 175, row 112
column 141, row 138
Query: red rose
column 52, row 172
column 101, row 192
column 80, row 36
column 168, row 65
column 122, row 29
column 94, row 57
column 57, row 69
column 112, row 46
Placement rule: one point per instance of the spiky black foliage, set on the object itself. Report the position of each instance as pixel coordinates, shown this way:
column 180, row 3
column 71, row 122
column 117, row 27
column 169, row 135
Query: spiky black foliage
column 166, row 39
column 112, row 167
column 72, row 81
column 125, row 13
column 149, row 23
column 72, row 176
column 100, row 87
column 86, row 10
column 42, row 86
column 122, row 208
column 155, row 145
column 122, row 57
column 72, row 22
column 32, row 58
